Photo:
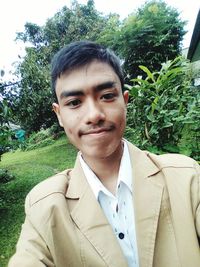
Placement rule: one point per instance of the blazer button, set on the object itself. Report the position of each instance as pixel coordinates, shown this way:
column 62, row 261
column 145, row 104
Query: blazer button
column 121, row 235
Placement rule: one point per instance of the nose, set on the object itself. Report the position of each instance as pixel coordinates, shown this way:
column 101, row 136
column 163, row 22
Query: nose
column 94, row 113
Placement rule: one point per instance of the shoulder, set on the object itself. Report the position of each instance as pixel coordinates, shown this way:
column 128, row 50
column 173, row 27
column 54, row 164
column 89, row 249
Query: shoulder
column 163, row 161
column 56, row 184
column 172, row 160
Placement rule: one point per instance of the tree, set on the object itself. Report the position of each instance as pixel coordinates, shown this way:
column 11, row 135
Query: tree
column 32, row 106
column 5, row 132
column 150, row 37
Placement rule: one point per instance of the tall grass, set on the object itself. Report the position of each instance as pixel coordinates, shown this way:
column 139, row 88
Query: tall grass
column 29, row 168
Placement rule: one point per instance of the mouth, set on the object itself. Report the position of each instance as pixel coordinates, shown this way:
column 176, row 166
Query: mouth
column 97, row 131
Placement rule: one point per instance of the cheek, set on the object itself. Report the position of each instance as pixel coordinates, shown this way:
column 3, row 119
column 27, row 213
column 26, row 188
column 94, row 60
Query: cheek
column 120, row 116
column 122, row 120
column 69, row 131
column 71, row 125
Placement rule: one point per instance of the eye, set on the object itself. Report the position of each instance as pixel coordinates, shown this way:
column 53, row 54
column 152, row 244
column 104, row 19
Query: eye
column 73, row 103
column 108, row 96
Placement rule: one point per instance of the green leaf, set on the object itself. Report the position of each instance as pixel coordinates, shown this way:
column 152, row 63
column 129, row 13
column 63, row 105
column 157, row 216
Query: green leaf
column 151, row 118
column 134, row 92
column 127, row 86
column 140, row 81
column 167, row 125
column 171, row 148
column 147, row 71
column 154, row 104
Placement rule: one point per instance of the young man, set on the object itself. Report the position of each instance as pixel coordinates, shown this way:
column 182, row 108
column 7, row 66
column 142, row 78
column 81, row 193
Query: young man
column 118, row 206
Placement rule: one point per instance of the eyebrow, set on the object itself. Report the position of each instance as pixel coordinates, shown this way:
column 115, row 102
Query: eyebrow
column 66, row 94
column 105, row 85
column 97, row 88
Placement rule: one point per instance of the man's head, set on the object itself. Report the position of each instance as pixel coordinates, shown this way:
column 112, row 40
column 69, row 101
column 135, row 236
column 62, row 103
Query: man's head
column 81, row 53
column 91, row 104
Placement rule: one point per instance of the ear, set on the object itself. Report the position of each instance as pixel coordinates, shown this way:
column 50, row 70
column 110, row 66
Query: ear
column 56, row 109
column 126, row 96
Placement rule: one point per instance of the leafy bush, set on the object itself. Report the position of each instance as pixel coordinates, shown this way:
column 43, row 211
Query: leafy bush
column 5, row 176
column 39, row 139
column 5, row 132
column 56, row 130
column 42, row 143
column 163, row 106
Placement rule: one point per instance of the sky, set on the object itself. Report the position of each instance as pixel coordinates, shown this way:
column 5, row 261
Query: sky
column 15, row 13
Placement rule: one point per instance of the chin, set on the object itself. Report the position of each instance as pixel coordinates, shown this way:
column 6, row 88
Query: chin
column 102, row 152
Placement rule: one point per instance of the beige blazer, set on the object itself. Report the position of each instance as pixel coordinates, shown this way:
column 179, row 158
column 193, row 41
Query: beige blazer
column 66, row 227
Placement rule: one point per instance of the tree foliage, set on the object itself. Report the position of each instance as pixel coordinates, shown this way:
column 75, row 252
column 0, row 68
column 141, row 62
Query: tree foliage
column 32, row 106
column 163, row 106
column 5, row 114
column 5, row 132
column 150, row 37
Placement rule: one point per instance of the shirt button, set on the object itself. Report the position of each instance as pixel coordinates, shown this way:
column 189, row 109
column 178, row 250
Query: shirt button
column 121, row 235
column 117, row 208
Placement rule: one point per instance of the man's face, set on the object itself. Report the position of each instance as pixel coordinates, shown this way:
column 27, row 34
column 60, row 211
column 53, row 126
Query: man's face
column 92, row 109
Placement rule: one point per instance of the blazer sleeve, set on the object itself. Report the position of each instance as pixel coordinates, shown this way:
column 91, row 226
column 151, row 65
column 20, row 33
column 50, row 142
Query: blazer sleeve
column 197, row 219
column 31, row 250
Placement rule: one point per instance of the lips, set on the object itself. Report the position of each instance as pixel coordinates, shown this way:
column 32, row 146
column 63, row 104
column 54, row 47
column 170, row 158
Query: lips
column 97, row 130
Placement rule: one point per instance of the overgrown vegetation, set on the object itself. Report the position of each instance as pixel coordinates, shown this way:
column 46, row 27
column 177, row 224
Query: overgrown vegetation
column 5, row 132
column 149, row 36
column 40, row 139
column 28, row 169
column 164, row 111
column 5, row 177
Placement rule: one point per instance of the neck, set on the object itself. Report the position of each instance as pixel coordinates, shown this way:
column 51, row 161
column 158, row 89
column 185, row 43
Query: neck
column 107, row 169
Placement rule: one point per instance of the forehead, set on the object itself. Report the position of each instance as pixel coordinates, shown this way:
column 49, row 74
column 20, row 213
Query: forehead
column 87, row 76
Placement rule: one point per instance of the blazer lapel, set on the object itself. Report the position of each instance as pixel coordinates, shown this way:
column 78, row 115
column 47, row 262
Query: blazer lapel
column 90, row 219
column 147, row 196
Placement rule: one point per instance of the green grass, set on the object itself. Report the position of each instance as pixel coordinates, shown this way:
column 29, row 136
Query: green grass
column 29, row 168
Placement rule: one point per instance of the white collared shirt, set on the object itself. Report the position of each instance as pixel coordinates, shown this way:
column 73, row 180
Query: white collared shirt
column 118, row 209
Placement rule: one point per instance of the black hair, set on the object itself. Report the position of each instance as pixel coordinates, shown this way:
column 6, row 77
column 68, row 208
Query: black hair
column 80, row 53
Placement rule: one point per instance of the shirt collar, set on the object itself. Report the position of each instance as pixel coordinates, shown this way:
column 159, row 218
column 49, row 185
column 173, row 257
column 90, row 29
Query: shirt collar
column 125, row 170
column 125, row 173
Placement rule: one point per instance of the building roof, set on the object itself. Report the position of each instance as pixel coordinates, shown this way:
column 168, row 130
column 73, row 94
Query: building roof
column 195, row 38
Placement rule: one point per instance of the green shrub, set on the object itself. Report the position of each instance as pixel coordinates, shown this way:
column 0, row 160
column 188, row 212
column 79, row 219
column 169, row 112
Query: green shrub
column 56, row 131
column 5, row 132
column 5, row 135
column 5, row 176
column 42, row 143
column 163, row 105
column 39, row 139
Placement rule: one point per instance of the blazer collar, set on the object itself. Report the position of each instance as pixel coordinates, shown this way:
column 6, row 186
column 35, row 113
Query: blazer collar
column 147, row 196
column 90, row 219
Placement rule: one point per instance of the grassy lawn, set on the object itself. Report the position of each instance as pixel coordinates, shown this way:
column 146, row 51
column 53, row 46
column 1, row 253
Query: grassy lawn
column 29, row 168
